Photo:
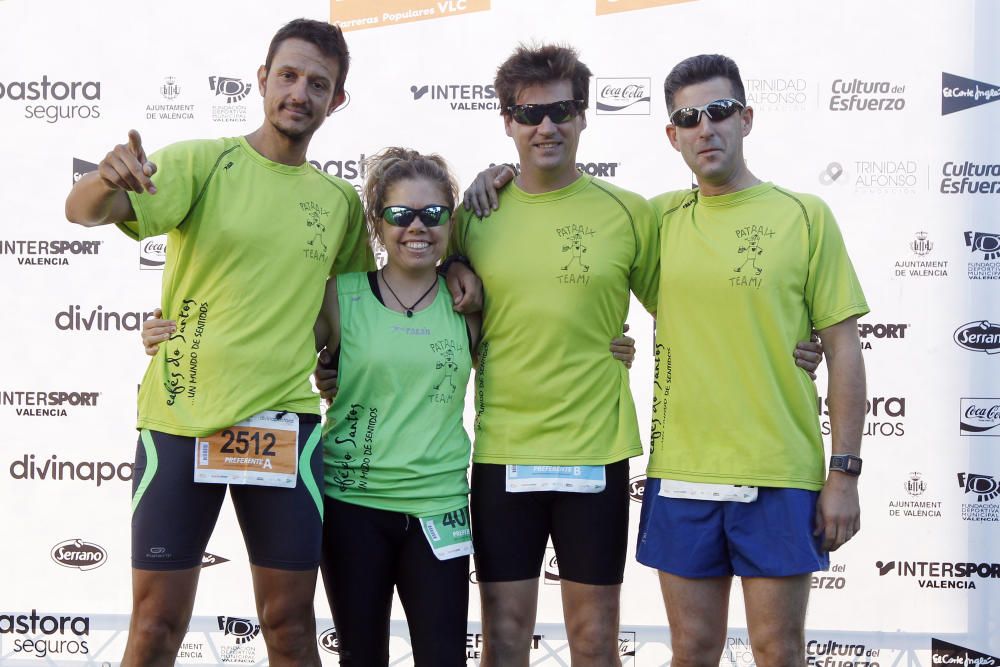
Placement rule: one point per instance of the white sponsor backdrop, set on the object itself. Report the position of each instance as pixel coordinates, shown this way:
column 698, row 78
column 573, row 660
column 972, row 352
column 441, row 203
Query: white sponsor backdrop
column 927, row 491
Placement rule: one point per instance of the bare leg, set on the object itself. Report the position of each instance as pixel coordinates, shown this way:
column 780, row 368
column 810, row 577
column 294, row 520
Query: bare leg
column 776, row 617
column 287, row 619
column 592, row 614
column 161, row 610
column 509, row 609
column 698, row 614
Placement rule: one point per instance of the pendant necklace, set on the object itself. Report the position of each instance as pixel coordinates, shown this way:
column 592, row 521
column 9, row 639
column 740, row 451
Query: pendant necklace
column 409, row 309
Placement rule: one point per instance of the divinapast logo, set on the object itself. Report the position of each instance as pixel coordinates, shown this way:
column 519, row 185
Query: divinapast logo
column 48, row 253
column 52, row 469
column 921, row 246
column 878, row 331
column 352, row 171
column 984, row 489
column 74, row 318
column 153, row 253
column 615, row 6
column 979, row 416
column 70, row 98
column 459, row 96
column 959, row 93
column 892, row 409
column 170, row 90
column 786, row 93
column 946, row 653
column 79, row 555
column 361, row 14
column 622, row 96
column 916, row 487
column 861, row 95
column 972, row 178
column 41, row 636
column 981, row 336
column 940, row 574
column 984, row 246
column 232, row 90
column 46, row 403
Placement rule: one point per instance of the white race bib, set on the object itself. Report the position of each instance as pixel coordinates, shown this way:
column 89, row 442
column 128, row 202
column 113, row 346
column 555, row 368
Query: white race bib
column 575, row 479
column 672, row 488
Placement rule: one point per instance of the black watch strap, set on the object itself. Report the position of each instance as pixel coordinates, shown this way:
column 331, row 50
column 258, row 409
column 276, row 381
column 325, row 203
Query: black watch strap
column 443, row 267
column 848, row 464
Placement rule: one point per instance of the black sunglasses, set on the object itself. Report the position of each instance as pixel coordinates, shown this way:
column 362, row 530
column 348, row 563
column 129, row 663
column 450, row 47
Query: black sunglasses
column 718, row 110
column 534, row 114
column 403, row 216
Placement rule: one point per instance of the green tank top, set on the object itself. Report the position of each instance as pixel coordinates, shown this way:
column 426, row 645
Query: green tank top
column 394, row 438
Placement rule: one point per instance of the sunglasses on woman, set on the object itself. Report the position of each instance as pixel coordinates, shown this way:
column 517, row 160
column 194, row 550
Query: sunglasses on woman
column 403, row 216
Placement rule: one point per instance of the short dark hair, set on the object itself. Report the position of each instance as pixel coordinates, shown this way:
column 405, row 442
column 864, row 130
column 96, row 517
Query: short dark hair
column 326, row 37
column 698, row 69
column 534, row 65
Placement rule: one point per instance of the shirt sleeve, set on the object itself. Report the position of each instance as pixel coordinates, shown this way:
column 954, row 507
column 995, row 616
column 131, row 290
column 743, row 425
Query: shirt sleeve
column 832, row 292
column 644, row 274
column 355, row 252
column 182, row 170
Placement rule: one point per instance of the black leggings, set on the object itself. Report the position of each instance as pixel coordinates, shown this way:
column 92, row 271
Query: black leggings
column 367, row 552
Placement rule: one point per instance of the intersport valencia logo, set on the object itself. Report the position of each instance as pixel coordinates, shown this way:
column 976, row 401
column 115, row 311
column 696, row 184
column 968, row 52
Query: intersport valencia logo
column 981, row 336
column 959, row 93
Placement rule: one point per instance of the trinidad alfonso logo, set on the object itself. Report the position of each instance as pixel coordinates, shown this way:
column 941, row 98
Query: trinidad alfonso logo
column 982, row 336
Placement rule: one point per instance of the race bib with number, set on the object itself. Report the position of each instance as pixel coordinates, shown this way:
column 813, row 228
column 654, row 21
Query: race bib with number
column 262, row 451
column 576, row 479
column 449, row 534
column 672, row 488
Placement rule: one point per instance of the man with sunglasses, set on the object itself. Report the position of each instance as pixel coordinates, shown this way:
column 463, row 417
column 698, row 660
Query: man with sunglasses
column 555, row 423
column 748, row 266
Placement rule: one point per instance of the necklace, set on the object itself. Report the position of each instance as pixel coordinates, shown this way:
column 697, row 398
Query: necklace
column 409, row 309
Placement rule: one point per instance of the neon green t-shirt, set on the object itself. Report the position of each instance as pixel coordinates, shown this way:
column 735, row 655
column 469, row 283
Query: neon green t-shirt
column 744, row 276
column 394, row 437
column 556, row 270
column 250, row 244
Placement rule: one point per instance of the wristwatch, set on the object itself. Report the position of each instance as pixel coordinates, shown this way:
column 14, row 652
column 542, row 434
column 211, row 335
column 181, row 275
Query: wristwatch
column 848, row 464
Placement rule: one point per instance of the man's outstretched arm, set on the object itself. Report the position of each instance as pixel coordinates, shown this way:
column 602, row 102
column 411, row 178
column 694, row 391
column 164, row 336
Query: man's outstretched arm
column 100, row 197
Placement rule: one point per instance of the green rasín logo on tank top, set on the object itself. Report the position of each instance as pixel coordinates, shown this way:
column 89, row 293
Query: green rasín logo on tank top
column 574, row 267
column 445, row 368
column 749, row 272
column 315, row 247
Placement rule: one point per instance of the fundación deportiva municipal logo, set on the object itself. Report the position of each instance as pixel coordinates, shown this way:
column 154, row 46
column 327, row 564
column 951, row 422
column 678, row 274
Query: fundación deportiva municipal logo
column 959, row 93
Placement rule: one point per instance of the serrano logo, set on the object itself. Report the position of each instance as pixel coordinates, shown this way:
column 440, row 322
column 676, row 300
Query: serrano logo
column 959, row 93
column 328, row 641
column 636, row 487
column 79, row 555
column 979, row 336
column 980, row 416
column 623, row 97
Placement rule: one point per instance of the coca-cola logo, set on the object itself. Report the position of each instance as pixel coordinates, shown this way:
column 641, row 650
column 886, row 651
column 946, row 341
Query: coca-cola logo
column 79, row 555
column 636, row 487
column 328, row 641
column 980, row 416
column 153, row 253
column 981, row 336
column 623, row 96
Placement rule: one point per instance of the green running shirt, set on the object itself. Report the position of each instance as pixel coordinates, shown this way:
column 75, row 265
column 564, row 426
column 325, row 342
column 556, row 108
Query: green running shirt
column 250, row 243
column 744, row 276
column 394, row 438
column 556, row 270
